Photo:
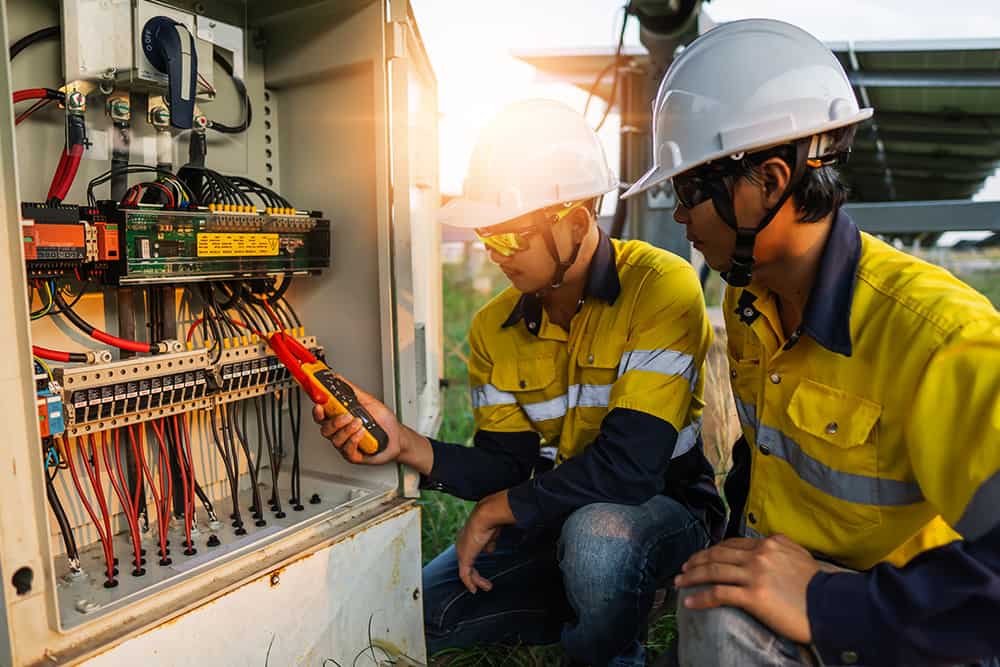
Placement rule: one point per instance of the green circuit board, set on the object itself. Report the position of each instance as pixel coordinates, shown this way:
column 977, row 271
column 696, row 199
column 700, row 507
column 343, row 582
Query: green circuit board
column 167, row 246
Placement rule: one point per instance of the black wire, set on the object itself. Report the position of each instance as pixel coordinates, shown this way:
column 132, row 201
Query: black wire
column 232, row 477
column 295, row 316
column 60, row 513
column 33, row 38
column 241, row 88
column 616, row 64
column 286, row 320
column 265, row 433
column 252, row 467
column 103, row 178
column 83, row 290
column 296, row 427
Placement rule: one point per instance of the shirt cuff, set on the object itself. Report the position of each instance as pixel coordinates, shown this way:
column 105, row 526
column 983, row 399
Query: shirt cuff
column 446, row 465
column 523, row 501
column 844, row 622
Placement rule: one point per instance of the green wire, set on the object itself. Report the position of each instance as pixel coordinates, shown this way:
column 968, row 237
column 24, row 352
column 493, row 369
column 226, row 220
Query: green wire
column 38, row 314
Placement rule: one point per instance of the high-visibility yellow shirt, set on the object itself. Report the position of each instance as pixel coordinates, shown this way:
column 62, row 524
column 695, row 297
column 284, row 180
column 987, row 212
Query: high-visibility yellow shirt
column 875, row 430
column 638, row 341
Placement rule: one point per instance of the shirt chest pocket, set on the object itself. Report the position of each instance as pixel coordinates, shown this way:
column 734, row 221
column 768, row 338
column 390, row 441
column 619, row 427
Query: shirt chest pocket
column 527, row 380
column 831, row 441
column 597, row 368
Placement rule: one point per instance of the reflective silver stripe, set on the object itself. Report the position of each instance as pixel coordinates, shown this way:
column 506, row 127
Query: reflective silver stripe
column 578, row 395
column 486, row 395
column 665, row 362
column 847, row 486
column 746, row 412
column 687, row 438
column 980, row 516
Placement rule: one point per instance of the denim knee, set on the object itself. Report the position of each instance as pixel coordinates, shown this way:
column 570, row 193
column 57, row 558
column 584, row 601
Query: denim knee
column 728, row 636
column 599, row 549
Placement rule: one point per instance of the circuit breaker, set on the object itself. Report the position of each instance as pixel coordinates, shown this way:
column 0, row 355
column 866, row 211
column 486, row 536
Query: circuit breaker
column 192, row 178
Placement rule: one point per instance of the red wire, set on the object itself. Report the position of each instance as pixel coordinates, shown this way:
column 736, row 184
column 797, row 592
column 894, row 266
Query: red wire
column 166, row 190
column 274, row 318
column 138, row 478
column 152, row 488
column 184, row 482
column 94, row 473
column 59, row 175
column 120, row 343
column 37, row 106
column 123, row 497
column 190, row 459
column 30, row 94
column 165, row 493
column 108, row 558
column 51, row 355
column 75, row 154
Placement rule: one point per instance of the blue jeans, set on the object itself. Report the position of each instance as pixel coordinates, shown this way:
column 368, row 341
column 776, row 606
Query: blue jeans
column 730, row 637
column 590, row 586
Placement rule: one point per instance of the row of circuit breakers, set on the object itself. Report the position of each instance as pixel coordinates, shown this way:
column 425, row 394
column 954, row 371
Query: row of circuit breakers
column 85, row 400
column 148, row 245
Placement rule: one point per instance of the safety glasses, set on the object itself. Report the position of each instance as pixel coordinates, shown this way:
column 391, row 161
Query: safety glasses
column 692, row 189
column 510, row 243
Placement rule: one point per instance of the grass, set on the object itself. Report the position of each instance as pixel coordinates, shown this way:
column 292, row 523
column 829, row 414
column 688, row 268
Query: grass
column 986, row 282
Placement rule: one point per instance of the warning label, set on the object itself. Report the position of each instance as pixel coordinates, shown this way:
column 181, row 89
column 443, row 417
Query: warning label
column 237, row 245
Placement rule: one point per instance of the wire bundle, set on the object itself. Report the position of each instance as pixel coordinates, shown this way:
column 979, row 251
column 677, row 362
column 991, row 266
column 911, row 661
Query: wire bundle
column 168, row 177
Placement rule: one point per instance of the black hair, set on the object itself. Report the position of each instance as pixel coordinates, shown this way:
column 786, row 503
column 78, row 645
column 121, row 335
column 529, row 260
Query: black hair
column 822, row 191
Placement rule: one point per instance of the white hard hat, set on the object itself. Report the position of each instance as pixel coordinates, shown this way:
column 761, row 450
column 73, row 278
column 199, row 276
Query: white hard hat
column 532, row 155
column 741, row 87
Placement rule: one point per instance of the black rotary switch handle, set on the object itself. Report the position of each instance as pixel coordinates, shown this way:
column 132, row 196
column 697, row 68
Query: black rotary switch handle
column 170, row 48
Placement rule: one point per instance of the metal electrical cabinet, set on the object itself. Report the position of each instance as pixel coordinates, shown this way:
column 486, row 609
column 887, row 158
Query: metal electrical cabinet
column 344, row 122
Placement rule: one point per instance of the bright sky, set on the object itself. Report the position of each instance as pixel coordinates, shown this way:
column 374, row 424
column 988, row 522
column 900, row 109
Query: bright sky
column 470, row 43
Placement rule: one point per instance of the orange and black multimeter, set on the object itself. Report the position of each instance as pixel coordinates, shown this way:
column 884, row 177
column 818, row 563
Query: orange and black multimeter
column 327, row 390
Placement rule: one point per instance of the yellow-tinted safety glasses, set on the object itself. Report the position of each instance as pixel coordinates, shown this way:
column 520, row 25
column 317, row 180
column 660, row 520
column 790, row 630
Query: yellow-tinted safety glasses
column 509, row 243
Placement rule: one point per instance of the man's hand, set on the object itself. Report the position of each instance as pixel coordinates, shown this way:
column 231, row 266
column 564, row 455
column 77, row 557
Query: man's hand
column 766, row 578
column 346, row 431
column 480, row 534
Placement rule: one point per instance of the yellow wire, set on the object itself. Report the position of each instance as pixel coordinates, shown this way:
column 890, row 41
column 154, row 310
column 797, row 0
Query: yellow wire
column 44, row 365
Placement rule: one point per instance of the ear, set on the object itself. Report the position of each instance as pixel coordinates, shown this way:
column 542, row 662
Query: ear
column 774, row 176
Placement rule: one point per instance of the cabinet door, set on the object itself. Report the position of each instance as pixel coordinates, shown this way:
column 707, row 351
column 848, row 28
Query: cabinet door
column 416, row 233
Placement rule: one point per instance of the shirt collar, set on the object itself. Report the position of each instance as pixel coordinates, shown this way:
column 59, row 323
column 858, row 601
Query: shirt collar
column 602, row 282
column 827, row 317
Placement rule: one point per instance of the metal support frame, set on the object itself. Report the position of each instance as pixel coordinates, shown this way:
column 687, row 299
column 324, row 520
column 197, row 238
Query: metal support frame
column 919, row 217
column 925, row 79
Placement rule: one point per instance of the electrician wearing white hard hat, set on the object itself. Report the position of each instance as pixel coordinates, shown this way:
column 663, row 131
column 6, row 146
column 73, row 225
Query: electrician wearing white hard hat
column 586, row 379
column 864, row 492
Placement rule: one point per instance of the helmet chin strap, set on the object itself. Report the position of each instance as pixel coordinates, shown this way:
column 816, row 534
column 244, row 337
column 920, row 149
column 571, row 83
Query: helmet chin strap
column 561, row 266
column 742, row 261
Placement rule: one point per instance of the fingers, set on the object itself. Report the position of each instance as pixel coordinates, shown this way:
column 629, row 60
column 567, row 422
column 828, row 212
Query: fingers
column 745, row 543
column 717, row 554
column 717, row 596
column 318, row 415
column 713, row 573
column 340, row 429
column 473, row 581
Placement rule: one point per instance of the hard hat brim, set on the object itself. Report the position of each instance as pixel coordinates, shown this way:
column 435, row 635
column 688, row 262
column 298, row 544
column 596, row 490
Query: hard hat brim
column 658, row 175
column 463, row 213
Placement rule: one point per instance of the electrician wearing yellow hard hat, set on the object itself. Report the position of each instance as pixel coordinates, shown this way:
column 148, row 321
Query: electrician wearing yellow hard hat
column 865, row 492
column 586, row 378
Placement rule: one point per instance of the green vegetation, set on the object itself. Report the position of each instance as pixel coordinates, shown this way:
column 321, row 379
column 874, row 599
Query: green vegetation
column 987, row 282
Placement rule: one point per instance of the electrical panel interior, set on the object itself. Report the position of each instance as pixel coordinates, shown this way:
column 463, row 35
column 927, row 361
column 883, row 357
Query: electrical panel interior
column 162, row 258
